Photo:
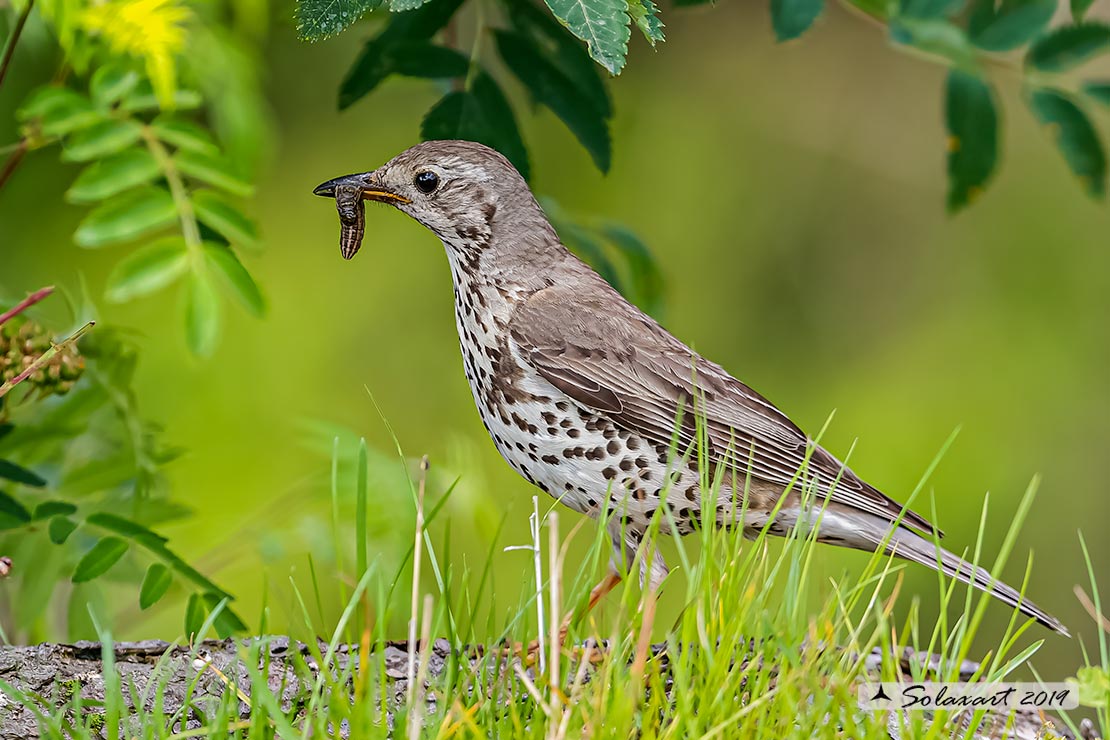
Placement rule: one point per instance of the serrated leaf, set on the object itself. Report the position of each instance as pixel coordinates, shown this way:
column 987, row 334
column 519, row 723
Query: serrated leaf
column 148, row 269
column 195, row 612
column 1075, row 136
column 792, row 18
column 602, row 24
column 972, row 122
column 645, row 14
column 100, row 140
column 212, row 171
column 1079, row 9
column 111, row 82
column 563, row 50
column 60, row 528
column 156, row 583
column 19, row 474
column 551, row 88
column 227, row 622
column 480, row 114
column 221, row 216
column 12, row 513
column 202, row 314
column 929, row 9
column 48, row 509
column 1098, row 91
column 184, row 135
column 113, row 175
column 103, row 555
column 142, row 98
column 1008, row 25
column 224, row 262
column 127, row 216
column 404, row 6
column 321, row 19
column 1068, row 46
column 373, row 63
column 939, row 37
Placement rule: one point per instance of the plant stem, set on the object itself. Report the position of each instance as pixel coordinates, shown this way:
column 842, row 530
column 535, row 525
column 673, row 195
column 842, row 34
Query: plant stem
column 9, row 45
column 13, row 162
column 44, row 358
column 185, row 213
column 26, row 303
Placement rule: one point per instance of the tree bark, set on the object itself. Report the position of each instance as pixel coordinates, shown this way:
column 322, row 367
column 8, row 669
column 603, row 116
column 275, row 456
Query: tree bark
column 53, row 672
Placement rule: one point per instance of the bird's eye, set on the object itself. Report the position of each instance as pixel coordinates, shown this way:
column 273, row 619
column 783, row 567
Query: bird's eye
column 426, row 181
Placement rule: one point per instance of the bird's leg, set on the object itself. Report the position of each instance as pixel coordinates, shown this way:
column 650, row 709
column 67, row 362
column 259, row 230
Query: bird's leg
column 611, row 580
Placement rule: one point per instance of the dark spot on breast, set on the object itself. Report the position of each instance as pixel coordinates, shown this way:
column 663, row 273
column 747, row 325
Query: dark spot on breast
column 550, row 459
column 613, row 447
column 609, row 473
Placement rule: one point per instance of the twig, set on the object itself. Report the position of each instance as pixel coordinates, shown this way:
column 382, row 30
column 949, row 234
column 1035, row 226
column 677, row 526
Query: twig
column 45, row 358
column 13, row 162
column 417, row 554
column 9, row 46
column 26, row 303
column 1100, row 619
column 537, row 564
column 555, row 584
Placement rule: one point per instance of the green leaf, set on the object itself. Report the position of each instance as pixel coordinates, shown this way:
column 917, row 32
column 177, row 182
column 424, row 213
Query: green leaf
column 12, row 513
column 1068, row 46
column 202, row 315
column 374, row 64
column 645, row 14
column 1098, row 91
column 100, row 140
column 792, row 18
column 321, row 19
column 1075, row 136
column 1093, row 686
column 48, row 509
column 227, row 622
column 1079, row 9
column 937, row 37
column 480, row 114
column 426, row 60
column 212, row 171
column 646, row 288
column 156, row 582
column 103, row 555
column 195, row 612
column 141, row 98
column 75, row 115
column 221, row 216
column 563, row 50
column 126, row 216
column 148, row 269
column 111, row 82
column 224, row 262
column 602, row 24
column 129, row 529
column 47, row 99
column 404, row 6
column 972, row 137
column 551, row 88
column 1009, row 24
column 60, row 528
column 929, row 9
column 880, row 9
column 113, row 175
column 184, row 135
column 19, row 474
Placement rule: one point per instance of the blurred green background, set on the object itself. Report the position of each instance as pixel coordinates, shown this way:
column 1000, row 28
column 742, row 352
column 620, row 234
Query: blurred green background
column 794, row 196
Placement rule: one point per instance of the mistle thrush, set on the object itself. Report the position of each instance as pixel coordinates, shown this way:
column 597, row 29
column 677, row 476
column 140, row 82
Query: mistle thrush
column 595, row 403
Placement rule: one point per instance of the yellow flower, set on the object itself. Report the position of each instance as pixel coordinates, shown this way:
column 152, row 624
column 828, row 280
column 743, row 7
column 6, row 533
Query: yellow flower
column 152, row 30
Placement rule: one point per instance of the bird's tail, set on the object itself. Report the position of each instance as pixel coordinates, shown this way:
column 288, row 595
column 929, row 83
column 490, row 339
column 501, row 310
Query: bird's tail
column 907, row 544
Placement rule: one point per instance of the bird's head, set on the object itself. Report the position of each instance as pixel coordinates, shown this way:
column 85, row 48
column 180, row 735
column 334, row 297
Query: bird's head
column 455, row 188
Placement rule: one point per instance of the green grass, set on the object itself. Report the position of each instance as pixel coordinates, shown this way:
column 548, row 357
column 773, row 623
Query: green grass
column 749, row 656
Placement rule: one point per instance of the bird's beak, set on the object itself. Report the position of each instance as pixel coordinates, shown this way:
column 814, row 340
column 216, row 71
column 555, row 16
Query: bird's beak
column 363, row 183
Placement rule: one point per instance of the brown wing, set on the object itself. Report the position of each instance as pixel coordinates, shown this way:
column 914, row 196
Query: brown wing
column 608, row 356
